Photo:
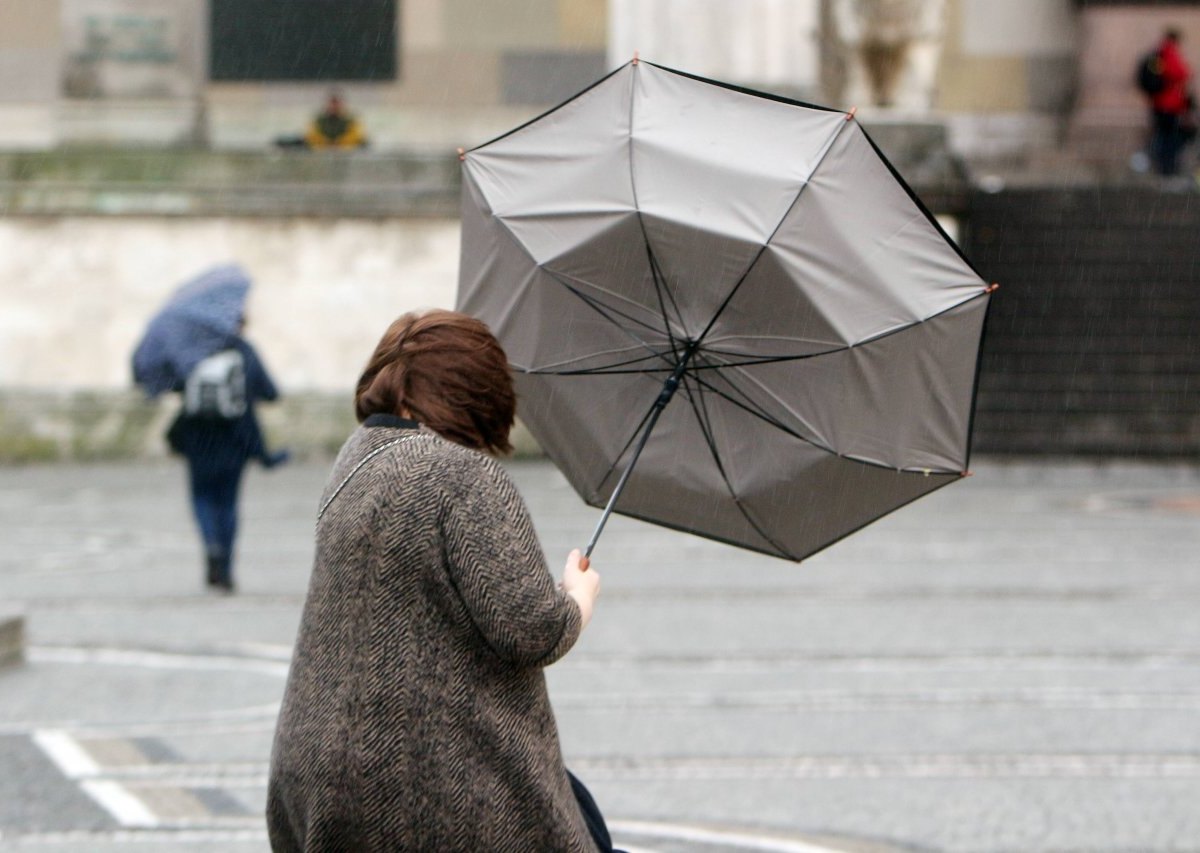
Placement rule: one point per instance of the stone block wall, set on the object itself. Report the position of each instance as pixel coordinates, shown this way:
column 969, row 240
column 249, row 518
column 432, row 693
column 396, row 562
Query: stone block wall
column 1093, row 341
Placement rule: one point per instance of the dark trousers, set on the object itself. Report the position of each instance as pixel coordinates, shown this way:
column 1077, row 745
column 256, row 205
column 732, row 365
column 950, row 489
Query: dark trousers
column 591, row 815
column 214, row 503
column 1166, row 141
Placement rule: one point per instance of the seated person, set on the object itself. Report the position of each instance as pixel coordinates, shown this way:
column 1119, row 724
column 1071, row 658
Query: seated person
column 334, row 127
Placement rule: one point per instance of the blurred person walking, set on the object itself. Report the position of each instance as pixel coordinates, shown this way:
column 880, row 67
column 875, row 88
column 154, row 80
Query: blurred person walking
column 416, row 715
column 1163, row 76
column 217, row 433
column 194, row 345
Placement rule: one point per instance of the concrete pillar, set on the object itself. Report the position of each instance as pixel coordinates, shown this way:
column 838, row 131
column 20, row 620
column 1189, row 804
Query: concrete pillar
column 770, row 44
column 30, row 50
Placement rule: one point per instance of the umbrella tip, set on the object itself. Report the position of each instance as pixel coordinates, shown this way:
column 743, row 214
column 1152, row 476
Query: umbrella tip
column 992, row 288
column 462, row 154
column 850, row 114
column 968, row 474
column 635, row 57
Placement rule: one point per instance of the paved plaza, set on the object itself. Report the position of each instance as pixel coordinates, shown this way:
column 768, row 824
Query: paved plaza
column 1011, row 664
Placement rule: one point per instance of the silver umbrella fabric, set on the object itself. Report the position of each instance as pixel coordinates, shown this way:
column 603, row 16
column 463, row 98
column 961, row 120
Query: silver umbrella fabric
column 738, row 287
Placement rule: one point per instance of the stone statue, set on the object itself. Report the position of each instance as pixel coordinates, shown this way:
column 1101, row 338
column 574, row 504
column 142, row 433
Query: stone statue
column 881, row 52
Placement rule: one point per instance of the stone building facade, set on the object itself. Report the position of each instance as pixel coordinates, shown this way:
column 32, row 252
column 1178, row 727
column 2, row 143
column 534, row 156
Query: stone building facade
column 153, row 72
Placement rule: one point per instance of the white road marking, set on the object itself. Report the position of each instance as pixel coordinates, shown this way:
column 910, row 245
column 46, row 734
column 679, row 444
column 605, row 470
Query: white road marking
column 258, row 718
column 155, row 660
column 824, row 700
column 917, row 766
column 75, row 763
column 1162, row 659
column 119, row 802
column 644, row 829
column 739, row 840
column 66, row 753
column 148, row 836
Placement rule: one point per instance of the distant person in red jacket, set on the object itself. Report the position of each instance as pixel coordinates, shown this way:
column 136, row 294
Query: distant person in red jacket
column 1170, row 105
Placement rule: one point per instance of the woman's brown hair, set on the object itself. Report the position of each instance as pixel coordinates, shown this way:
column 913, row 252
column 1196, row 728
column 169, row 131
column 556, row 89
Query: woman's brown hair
column 449, row 372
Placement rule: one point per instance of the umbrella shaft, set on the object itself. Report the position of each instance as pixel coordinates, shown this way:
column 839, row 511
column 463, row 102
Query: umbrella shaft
column 659, row 405
column 670, row 386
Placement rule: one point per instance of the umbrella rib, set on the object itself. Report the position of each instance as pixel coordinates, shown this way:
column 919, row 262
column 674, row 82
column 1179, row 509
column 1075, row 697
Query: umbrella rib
column 660, row 282
column 772, row 359
column 655, row 373
column 602, row 310
column 763, row 248
column 597, row 306
column 553, row 368
column 632, row 438
column 766, row 390
column 762, row 359
column 601, row 370
column 751, row 408
column 696, row 399
column 656, row 273
column 565, row 280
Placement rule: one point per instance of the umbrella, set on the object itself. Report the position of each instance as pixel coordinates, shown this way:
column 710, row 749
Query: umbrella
column 199, row 319
column 732, row 290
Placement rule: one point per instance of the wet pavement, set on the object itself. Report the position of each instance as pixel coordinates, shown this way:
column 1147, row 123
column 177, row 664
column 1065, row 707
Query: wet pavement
column 1011, row 664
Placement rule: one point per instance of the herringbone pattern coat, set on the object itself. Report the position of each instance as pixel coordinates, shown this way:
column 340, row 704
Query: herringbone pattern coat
column 416, row 716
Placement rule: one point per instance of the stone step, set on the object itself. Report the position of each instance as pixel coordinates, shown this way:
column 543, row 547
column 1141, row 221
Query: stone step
column 1018, row 361
column 1067, row 433
column 1100, row 401
column 12, row 638
column 1064, row 381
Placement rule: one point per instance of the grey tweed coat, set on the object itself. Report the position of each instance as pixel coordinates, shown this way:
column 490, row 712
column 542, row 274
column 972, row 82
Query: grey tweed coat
column 416, row 716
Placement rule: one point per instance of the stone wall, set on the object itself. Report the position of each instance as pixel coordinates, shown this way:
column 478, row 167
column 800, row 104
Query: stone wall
column 1093, row 341
column 78, row 290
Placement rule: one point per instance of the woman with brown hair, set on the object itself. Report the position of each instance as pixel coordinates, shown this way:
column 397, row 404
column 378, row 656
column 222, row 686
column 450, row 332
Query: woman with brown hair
column 416, row 715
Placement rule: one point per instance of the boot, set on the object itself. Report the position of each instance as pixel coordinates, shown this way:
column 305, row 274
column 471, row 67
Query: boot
column 215, row 565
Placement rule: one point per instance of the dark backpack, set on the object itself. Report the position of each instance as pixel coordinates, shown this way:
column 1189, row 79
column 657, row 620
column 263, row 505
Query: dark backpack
column 1149, row 74
column 216, row 387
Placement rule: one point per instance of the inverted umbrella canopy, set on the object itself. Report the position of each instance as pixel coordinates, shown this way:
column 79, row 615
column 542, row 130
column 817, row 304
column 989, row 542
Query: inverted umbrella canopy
column 736, row 292
column 199, row 319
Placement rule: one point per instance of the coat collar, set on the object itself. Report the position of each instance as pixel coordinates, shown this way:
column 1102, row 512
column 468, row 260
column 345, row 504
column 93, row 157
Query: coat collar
column 393, row 421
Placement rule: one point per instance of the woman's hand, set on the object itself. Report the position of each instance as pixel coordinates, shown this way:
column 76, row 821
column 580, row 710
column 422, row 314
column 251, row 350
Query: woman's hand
column 582, row 584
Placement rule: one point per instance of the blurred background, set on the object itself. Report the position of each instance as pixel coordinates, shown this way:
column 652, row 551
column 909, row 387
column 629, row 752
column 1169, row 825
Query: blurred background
column 142, row 141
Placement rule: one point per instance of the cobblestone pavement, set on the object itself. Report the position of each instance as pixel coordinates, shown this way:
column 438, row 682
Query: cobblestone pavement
column 1012, row 664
